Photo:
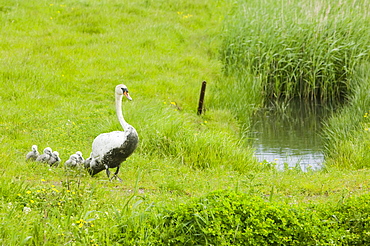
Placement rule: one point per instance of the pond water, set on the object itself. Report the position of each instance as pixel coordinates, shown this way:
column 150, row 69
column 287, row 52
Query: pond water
column 289, row 137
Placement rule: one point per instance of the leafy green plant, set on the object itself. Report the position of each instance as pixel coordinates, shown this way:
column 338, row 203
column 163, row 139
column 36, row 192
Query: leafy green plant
column 354, row 217
column 231, row 218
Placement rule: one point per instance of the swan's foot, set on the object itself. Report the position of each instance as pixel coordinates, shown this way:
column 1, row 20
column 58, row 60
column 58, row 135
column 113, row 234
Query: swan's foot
column 115, row 176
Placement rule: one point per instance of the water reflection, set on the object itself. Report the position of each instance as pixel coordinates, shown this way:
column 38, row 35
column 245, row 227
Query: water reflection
column 289, row 136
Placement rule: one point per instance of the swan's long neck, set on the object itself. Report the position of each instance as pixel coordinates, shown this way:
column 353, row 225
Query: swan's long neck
column 121, row 120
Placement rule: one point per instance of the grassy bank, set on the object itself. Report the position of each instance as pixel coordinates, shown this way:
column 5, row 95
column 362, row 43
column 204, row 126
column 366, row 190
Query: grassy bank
column 347, row 132
column 59, row 64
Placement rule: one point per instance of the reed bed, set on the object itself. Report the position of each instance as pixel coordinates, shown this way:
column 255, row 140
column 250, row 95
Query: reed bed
column 298, row 49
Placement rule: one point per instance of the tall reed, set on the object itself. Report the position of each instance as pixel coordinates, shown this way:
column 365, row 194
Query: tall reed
column 299, row 49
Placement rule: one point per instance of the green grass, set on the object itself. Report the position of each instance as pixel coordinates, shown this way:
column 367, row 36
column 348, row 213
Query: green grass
column 346, row 133
column 59, row 64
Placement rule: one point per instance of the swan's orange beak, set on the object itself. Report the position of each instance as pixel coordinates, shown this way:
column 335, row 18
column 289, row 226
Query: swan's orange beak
column 127, row 95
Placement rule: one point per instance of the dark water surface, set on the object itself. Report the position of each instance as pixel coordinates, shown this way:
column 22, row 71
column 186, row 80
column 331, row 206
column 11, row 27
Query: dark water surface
column 289, row 136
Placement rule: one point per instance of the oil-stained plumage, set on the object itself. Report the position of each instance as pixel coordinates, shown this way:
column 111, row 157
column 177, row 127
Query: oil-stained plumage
column 32, row 155
column 109, row 150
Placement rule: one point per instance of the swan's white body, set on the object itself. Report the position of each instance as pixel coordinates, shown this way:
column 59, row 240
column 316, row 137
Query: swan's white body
column 109, row 150
column 32, row 155
column 45, row 157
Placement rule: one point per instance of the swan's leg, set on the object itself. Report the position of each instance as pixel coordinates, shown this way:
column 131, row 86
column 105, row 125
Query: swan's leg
column 117, row 170
column 116, row 174
column 107, row 170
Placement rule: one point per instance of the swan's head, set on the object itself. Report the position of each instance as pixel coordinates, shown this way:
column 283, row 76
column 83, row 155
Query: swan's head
column 55, row 153
column 48, row 150
column 122, row 90
column 34, row 148
column 74, row 157
column 79, row 153
column 93, row 167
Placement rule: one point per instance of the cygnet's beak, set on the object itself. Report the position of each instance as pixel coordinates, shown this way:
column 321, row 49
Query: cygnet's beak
column 127, row 95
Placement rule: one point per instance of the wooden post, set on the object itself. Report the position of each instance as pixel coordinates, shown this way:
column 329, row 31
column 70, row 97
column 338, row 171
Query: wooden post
column 201, row 98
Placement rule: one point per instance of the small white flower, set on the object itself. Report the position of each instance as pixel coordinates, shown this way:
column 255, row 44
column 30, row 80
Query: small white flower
column 26, row 210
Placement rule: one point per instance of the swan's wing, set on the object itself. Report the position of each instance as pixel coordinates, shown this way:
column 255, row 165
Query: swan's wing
column 106, row 142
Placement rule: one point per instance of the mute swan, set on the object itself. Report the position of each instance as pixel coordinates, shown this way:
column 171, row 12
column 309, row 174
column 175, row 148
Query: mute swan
column 109, row 150
column 72, row 162
column 32, row 155
column 54, row 159
column 80, row 159
column 45, row 157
